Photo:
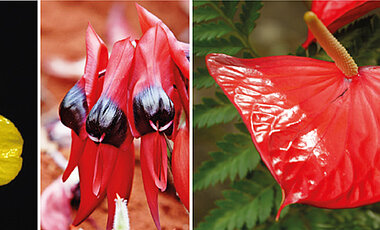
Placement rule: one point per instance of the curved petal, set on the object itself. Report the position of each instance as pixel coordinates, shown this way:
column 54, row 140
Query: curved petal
column 180, row 165
column 316, row 131
column 105, row 161
column 121, row 180
column 153, row 157
column 336, row 14
column 96, row 63
column 147, row 19
column 179, row 52
column 152, row 81
column 107, row 121
column 88, row 201
column 76, row 150
column 80, row 99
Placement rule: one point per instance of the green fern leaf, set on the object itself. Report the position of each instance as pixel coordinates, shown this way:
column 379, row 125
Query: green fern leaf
column 250, row 13
column 202, row 79
column 222, row 97
column 213, row 112
column 197, row 3
column 229, row 8
column 362, row 39
column 240, row 207
column 205, row 13
column 242, row 128
column 208, row 31
column 235, row 159
column 230, row 47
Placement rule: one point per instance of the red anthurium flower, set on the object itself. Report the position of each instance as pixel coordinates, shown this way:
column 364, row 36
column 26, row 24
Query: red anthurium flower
column 336, row 13
column 315, row 123
column 180, row 165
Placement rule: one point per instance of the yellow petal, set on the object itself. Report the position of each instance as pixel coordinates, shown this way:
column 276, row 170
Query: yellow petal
column 10, row 151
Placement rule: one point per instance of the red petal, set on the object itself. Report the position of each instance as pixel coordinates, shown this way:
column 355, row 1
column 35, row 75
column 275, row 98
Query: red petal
column 107, row 122
column 121, row 180
column 104, row 164
column 146, row 18
column 153, row 66
column 335, row 14
column 117, row 73
column 316, row 131
column 86, row 167
column 96, row 61
column 180, row 165
column 153, row 157
column 77, row 147
column 178, row 51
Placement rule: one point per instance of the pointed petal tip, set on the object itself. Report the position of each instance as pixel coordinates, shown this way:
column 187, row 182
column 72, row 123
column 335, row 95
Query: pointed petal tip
column 66, row 175
column 284, row 202
column 138, row 6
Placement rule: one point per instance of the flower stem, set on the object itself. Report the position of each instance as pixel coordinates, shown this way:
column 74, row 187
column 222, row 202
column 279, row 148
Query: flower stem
column 331, row 45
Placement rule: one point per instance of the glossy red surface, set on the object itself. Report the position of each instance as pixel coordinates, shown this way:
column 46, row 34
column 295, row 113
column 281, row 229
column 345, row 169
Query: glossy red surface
column 317, row 132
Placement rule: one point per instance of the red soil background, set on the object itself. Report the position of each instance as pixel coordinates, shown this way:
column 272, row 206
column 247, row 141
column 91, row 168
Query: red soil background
column 63, row 26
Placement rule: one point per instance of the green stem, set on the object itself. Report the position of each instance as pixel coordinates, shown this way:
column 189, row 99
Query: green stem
column 236, row 33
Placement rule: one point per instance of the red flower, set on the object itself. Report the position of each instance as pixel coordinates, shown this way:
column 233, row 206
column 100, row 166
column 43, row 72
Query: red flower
column 180, row 56
column 335, row 13
column 315, row 123
column 144, row 91
column 104, row 108
column 179, row 52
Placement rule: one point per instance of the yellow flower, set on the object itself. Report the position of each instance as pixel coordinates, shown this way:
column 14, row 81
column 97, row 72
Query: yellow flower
column 10, row 151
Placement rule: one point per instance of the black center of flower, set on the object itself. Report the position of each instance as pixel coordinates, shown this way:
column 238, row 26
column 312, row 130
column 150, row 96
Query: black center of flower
column 107, row 123
column 73, row 109
column 153, row 111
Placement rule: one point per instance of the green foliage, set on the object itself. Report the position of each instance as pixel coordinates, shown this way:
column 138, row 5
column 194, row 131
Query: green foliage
column 362, row 39
column 245, row 205
column 203, row 79
column 252, row 198
column 227, row 46
column 211, row 30
column 237, row 157
column 213, row 111
column 221, row 28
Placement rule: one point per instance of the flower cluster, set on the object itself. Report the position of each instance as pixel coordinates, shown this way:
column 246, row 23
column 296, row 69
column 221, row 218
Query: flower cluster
column 315, row 123
column 140, row 91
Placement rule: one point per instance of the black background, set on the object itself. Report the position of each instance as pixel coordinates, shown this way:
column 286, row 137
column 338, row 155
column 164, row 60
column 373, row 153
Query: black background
column 18, row 102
